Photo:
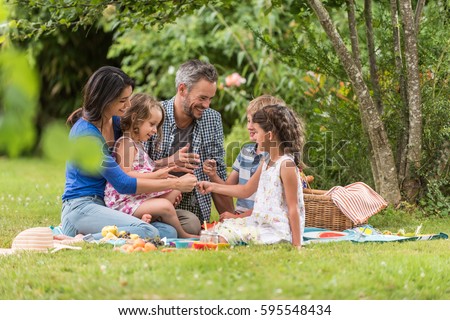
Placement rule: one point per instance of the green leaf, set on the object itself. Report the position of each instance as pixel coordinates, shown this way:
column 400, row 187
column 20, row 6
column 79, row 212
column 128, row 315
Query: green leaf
column 55, row 142
column 3, row 12
column 240, row 57
column 86, row 154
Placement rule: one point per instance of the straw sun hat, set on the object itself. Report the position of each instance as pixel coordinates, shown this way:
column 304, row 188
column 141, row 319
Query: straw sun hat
column 36, row 239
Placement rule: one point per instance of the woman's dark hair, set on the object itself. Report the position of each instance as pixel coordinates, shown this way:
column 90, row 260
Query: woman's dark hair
column 103, row 87
column 287, row 126
column 140, row 110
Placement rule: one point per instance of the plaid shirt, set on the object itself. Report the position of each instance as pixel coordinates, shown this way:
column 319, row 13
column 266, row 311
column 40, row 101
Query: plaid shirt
column 207, row 141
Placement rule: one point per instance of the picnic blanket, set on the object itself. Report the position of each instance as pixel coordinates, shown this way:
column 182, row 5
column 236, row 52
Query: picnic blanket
column 357, row 201
column 363, row 234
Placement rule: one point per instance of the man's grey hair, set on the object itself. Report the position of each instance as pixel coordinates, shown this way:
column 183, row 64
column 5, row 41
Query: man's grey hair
column 193, row 71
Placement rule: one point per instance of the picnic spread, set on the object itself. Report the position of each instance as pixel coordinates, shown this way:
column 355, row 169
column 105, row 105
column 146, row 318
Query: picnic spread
column 339, row 214
column 42, row 239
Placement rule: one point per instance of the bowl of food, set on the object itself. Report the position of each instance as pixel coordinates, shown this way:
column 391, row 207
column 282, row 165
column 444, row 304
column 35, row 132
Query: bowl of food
column 204, row 245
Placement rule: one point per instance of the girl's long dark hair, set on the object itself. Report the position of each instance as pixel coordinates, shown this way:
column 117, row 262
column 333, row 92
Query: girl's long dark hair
column 287, row 126
column 103, row 87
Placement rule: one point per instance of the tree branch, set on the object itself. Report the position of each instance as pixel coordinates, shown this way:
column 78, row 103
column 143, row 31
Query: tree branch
column 353, row 32
column 418, row 14
column 372, row 57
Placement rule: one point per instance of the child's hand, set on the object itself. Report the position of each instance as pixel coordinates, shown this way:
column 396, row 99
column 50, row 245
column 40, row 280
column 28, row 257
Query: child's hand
column 210, row 168
column 204, row 187
column 162, row 173
column 178, row 200
column 227, row 215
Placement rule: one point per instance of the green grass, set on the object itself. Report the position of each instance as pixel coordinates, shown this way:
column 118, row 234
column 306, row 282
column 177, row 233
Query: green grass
column 30, row 192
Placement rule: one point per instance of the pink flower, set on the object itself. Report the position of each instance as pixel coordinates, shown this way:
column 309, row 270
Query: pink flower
column 234, row 80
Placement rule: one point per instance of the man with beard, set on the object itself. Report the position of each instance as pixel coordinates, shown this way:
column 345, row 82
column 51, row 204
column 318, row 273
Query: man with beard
column 193, row 136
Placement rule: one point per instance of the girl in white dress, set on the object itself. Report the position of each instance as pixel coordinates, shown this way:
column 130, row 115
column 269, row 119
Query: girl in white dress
column 279, row 211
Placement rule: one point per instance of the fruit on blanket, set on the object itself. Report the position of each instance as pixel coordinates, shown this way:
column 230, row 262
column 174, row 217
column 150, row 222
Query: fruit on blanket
column 139, row 246
column 138, row 243
column 110, row 236
column 126, row 247
column 149, row 247
column 112, row 229
column 134, row 236
column 401, row 232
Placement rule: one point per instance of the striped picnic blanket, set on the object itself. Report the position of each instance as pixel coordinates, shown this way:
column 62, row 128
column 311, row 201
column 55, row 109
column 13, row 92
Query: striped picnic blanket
column 357, row 201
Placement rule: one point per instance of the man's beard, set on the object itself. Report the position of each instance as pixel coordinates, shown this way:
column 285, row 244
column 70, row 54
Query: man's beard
column 188, row 110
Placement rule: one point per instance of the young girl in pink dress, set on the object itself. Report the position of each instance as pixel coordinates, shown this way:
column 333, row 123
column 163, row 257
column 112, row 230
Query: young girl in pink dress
column 142, row 120
column 279, row 211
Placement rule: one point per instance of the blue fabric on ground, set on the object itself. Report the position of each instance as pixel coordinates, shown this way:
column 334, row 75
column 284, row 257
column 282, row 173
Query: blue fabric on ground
column 366, row 233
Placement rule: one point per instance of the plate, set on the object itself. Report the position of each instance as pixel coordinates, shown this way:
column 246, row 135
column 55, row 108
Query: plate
column 324, row 235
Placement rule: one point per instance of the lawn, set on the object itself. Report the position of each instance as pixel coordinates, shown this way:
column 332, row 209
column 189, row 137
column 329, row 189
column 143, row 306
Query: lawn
column 30, row 191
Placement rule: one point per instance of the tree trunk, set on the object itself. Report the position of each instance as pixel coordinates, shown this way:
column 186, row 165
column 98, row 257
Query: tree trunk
column 411, row 185
column 372, row 58
column 402, row 140
column 357, row 58
column 444, row 160
column 389, row 187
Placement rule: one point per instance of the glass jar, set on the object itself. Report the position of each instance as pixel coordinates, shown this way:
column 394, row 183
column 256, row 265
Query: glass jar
column 207, row 236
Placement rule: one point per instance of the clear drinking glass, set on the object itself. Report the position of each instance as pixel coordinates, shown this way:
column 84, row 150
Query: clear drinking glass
column 207, row 236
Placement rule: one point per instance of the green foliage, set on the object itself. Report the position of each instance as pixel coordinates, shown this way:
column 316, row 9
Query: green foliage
column 45, row 17
column 19, row 100
column 216, row 34
column 436, row 202
column 234, row 142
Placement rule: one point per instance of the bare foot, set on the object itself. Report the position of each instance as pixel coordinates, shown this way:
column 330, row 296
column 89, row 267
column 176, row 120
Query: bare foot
column 146, row 217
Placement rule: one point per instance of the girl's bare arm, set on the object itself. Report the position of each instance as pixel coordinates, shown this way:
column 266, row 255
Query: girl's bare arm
column 289, row 178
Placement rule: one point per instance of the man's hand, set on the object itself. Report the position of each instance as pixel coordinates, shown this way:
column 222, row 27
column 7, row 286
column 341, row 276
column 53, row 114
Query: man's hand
column 185, row 161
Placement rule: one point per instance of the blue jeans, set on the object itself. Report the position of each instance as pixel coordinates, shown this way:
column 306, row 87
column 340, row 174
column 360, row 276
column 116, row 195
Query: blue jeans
column 89, row 215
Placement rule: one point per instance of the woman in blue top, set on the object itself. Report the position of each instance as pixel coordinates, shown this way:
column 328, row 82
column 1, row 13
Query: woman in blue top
column 106, row 95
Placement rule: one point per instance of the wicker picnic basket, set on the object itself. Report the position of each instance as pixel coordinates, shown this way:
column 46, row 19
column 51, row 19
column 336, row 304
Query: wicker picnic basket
column 321, row 212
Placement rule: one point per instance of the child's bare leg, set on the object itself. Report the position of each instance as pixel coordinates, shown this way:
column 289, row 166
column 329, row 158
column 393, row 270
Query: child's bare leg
column 162, row 208
column 171, row 196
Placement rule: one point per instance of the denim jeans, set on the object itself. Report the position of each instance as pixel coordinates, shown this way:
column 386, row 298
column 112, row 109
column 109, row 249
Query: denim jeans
column 89, row 215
